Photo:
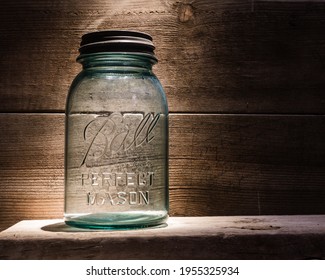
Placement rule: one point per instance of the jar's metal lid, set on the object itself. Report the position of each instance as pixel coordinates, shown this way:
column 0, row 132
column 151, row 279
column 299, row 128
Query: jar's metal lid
column 116, row 41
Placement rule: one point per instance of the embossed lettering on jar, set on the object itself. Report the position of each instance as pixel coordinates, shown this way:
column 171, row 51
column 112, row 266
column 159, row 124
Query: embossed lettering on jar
column 116, row 147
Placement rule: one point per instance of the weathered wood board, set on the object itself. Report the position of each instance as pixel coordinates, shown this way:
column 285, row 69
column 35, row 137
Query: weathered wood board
column 214, row 56
column 219, row 165
column 251, row 238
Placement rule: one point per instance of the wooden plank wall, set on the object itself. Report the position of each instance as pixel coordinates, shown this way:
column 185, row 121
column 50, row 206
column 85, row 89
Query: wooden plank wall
column 245, row 82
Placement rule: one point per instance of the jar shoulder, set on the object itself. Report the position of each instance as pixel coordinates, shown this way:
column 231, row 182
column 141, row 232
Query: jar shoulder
column 106, row 92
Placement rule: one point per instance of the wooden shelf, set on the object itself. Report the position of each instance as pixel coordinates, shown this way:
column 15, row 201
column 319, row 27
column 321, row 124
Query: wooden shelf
column 240, row 237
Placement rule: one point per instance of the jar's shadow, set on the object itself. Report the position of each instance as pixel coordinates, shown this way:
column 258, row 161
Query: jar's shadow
column 62, row 227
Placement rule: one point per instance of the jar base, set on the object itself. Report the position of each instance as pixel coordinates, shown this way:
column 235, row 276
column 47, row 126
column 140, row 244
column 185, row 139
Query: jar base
column 117, row 221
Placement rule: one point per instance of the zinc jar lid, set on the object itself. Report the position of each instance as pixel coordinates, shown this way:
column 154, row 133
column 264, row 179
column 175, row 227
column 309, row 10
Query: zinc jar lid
column 116, row 41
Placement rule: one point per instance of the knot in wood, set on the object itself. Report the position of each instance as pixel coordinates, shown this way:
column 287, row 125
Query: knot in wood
column 186, row 12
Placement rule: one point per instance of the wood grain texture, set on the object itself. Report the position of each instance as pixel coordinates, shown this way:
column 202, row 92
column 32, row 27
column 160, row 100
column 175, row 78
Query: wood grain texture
column 219, row 165
column 31, row 167
column 247, row 164
column 263, row 237
column 215, row 56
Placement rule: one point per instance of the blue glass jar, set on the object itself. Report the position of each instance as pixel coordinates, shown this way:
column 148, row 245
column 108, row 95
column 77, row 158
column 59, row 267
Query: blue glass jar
column 116, row 145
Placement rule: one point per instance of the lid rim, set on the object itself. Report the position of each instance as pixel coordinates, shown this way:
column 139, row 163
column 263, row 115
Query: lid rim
column 116, row 40
column 117, row 32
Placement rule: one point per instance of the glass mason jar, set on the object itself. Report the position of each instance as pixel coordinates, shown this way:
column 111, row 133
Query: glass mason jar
column 116, row 144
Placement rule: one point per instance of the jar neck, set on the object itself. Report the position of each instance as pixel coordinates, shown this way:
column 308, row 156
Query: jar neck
column 118, row 62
